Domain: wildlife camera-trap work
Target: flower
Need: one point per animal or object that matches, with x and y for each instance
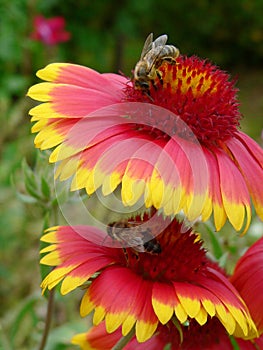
(178, 145)
(211, 336)
(97, 338)
(50, 30)
(137, 290)
(247, 278)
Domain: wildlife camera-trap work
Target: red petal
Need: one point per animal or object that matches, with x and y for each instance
(248, 279)
(234, 190)
(251, 169)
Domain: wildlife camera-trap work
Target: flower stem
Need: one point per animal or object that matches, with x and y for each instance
(48, 319)
(124, 340)
(51, 296)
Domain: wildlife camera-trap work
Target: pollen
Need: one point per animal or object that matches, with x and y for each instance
(180, 78)
(199, 93)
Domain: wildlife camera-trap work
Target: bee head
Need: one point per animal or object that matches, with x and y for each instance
(142, 85)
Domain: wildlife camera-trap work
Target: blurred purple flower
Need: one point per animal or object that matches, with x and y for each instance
(50, 31)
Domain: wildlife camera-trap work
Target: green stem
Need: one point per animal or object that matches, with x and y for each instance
(48, 319)
(50, 304)
(124, 340)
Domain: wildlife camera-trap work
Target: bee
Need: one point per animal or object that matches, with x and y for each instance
(152, 56)
(130, 234)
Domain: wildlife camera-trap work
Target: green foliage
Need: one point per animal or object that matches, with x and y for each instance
(234, 344)
(229, 33)
(60, 337)
(40, 186)
(22, 329)
(214, 240)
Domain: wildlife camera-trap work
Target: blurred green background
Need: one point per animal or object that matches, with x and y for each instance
(107, 36)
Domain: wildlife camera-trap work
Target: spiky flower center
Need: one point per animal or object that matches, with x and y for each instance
(182, 256)
(210, 335)
(199, 93)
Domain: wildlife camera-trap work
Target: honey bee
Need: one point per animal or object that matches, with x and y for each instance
(130, 234)
(152, 56)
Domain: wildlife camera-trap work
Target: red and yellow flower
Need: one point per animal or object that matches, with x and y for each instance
(142, 291)
(247, 279)
(177, 146)
(211, 336)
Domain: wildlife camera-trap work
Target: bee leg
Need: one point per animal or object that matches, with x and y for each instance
(136, 254)
(170, 60)
(147, 93)
(159, 76)
(153, 84)
(133, 254)
(126, 255)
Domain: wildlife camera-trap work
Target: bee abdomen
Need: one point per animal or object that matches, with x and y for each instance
(169, 50)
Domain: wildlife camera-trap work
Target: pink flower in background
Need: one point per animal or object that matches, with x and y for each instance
(50, 31)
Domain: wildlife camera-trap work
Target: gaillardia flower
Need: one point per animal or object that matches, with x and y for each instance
(211, 336)
(141, 291)
(177, 144)
(248, 279)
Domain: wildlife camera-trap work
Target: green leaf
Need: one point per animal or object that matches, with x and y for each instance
(60, 337)
(27, 171)
(27, 308)
(45, 188)
(31, 189)
(25, 198)
(30, 180)
(216, 247)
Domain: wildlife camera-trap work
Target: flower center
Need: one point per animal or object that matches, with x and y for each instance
(181, 258)
(195, 336)
(196, 91)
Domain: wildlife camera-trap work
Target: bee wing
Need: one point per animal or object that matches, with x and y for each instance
(139, 248)
(136, 241)
(147, 45)
(132, 238)
(157, 48)
(160, 41)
